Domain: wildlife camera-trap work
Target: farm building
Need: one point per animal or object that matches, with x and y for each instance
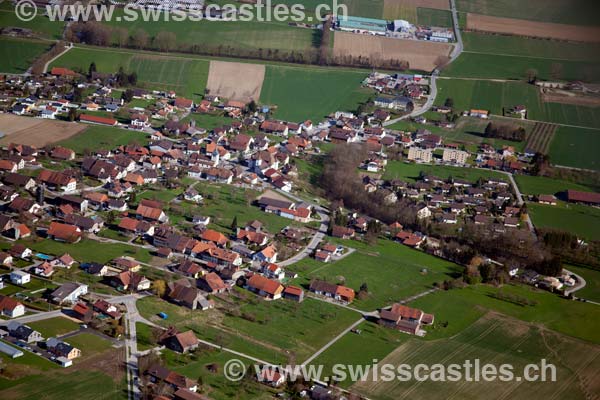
(362, 25)
(10, 351)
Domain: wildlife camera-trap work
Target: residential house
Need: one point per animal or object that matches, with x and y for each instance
(19, 277)
(62, 349)
(337, 292)
(211, 283)
(264, 287)
(10, 307)
(23, 332)
(68, 292)
(405, 319)
(184, 293)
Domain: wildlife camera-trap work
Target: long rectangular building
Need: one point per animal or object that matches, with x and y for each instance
(362, 25)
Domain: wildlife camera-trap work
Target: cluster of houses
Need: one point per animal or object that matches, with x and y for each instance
(53, 348)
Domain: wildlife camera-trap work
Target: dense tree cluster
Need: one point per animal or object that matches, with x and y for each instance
(504, 131)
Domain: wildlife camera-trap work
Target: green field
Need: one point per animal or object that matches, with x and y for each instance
(224, 202)
(270, 330)
(103, 137)
(410, 172)
(575, 147)
(89, 250)
(16, 56)
(187, 76)
(535, 185)
(584, 221)
(434, 17)
(499, 66)
(228, 34)
(392, 272)
(302, 93)
(374, 342)
(591, 290)
(40, 25)
(292, 89)
(196, 365)
(468, 131)
(496, 340)
(576, 12)
(493, 96)
(461, 307)
(550, 50)
(54, 326)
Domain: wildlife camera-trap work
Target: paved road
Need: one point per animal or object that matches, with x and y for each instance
(580, 282)
(313, 244)
(35, 317)
(456, 52)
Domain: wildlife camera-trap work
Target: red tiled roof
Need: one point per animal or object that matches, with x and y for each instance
(97, 120)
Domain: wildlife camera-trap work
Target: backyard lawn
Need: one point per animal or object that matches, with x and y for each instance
(54, 326)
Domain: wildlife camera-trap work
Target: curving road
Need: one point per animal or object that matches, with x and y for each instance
(456, 52)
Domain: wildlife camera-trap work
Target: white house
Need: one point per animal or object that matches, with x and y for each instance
(20, 277)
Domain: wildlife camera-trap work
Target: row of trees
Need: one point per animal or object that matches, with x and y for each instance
(103, 35)
(504, 131)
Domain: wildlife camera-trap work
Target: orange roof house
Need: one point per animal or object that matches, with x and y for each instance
(265, 287)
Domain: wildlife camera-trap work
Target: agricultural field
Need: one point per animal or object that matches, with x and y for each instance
(96, 137)
(302, 93)
(519, 27)
(392, 272)
(456, 309)
(411, 172)
(433, 17)
(550, 50)
(575, 147)
(540, 137)
(575, 12)
(420, 55)
(591, 291)
(187, 76)
(235, 81)
(35, 131)
(16, 56)
(497, 340)
(534, 185)
(583, 221)
(494, 96)
(409, 9)
(242, 35)
(40, 25)
(512, 67)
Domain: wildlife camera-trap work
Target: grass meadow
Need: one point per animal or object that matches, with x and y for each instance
(16, 56)
(575, 12)
(584, 221)
(576, 147)
(494, 96)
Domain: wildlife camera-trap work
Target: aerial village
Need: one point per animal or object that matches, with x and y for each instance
(55, 196)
